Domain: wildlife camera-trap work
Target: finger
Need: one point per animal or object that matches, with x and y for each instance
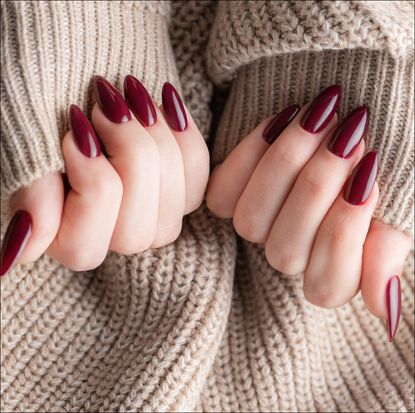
(384, 254)
(229, 179)
(92, 205)
(332, 276)
(134, 154)
(291, 238)
(36, 212)
(194, 152)
(276, 172)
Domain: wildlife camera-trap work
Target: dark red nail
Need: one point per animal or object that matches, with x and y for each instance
(15, 239)
(393, 305)
(279, 123)
(139, 101)
(110, 101)
(84, 133)
(360, 183)
(349, 134)
(173, 108)
(322, 109)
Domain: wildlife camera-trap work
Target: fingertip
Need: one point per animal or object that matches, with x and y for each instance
(384, 254)
(35, 222)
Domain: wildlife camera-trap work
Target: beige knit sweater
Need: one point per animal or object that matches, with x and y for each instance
(202, 324)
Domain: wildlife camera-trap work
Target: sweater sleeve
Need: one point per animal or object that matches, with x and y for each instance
(280, 53)
(50, 51)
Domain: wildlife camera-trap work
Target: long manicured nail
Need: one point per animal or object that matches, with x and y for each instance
(173, 108)
(139, 101)
(322, 109)
(279, 123)
(360, 183)
(84, 133)
(393, 305)
(349, 134)
(110, 101)
(15, 239)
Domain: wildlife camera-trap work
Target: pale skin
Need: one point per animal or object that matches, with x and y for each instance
(287, 196)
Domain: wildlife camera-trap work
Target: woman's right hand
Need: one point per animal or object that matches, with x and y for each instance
(154, 172)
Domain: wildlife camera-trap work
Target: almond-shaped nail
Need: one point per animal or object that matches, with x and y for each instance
(360, 183)
(110, 101)
(393, 305)
(84, 133)
(139, 101)
(279, 123)
(349, 134)
(15, 239)
(173, 108)
(322, 109)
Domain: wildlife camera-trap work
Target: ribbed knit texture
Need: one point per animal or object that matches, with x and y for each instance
(203, 324)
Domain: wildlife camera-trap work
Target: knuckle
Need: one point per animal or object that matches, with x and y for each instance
(107, 185)
(128, 244)
(217, 205)
(338, 234)
(248, 228)
(79, 260)
(167, 235)
(284, 260)
(286, 154)
(312, 181)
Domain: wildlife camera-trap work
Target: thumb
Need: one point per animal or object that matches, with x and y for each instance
(384, 255)
(36, 214)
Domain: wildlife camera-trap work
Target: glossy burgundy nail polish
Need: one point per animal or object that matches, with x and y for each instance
(84, 133)
(110, 101)
(139, 101)
(361, 181)
(322, 109)
(15, 239)
(349, 134)
(279, 123)
(393, 305)
(173, 108)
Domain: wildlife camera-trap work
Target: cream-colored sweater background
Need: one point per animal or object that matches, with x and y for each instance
(204, 323)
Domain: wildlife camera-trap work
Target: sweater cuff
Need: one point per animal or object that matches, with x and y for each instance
(373, 78)
(50, 51)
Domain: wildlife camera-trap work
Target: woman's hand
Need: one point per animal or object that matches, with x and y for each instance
(155, 171)
(300, 184)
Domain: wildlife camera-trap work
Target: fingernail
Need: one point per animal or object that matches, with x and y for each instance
(139, 101)
(322, 109)
(15, 239)
(84, 133)
(361, 181)
(279, 123)
(349, 134)
(393, 305)
(173, 108)
(110, 101)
